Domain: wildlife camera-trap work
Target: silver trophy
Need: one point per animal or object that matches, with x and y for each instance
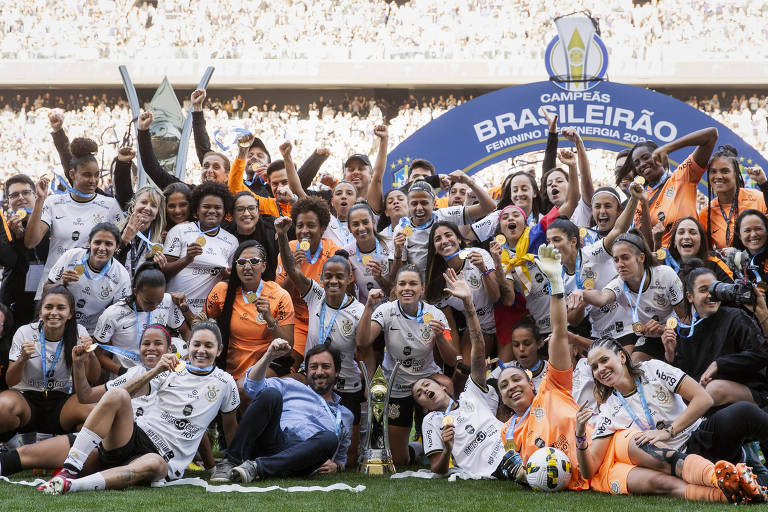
(376, 458)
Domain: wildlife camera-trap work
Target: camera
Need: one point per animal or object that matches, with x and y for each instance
(738, 294)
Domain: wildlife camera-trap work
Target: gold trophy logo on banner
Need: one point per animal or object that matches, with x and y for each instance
(376, 457)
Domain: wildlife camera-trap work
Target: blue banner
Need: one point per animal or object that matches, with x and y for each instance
(507, 123)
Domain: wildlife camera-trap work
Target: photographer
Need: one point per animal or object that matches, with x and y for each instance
(719, 346)
(748, 258)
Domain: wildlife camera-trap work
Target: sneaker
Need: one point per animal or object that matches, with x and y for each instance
(222, 471)
(726, 478)
(752, 491)
(245, 472)
(55, 486)
(61, 472)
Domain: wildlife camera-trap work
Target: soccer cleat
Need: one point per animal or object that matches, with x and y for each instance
(62, 472)
(222, 471)
(726, 478)
(752, 491)
(244, 473)
(56, 485)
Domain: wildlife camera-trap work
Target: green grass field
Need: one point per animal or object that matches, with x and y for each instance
(380, 494)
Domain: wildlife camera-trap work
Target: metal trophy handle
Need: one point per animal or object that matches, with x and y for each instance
(376, 457)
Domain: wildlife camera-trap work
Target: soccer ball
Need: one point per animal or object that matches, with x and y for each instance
(548, 469)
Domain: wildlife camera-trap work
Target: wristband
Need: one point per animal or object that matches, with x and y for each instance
(488, 271)
(581, 442)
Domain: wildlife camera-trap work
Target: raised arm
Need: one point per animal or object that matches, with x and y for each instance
(278, 348)
(485, 204)
(585, 171)
(375, 188)
(559, 349)
(625, 219)
(147, 153)
(290, 170)
(36, 228)
(572, 198)
(60, 141)
(200, 134)
(550, 153)
(705, 140)
(122, 176)
(86, 394)
(311, 165)
(302, 282)
(457, 287)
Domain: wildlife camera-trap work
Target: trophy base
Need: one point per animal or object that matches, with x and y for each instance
(376, 467)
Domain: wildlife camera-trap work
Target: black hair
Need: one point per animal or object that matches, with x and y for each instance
(322, 348)
(366, 207)
(737, 243)
(206, 326)
(506, 194)
(384, 220)
(410, 267)
(147, 274)
(629, 165)
(570, 229)
(621, 172)
(227, 163)
(312, 204)
(277, 165)
(233, 284)
(177, 188)
(546, 204)
(210, 188)
(243, 193)
(701, 254)
(729, 153)
(158, 327)
(689, 271)
(424, 164)
(105, 226)
(602, 392)
(19, 178)
(527, 322)
(83, 151)
(421, 185)
(436, 265)
(634, 239)
(342, 257)
(71, 337)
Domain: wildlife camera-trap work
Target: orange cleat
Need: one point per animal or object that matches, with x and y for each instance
(752, 491)
(726, 478)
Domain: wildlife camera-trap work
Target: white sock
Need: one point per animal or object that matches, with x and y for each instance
(94, 482)
(84, 443)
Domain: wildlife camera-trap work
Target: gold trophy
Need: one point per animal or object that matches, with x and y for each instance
(376, 457)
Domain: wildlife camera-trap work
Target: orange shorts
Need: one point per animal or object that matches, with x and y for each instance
(611, 478)
(300, 330)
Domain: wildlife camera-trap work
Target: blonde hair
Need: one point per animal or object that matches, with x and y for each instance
(158, 200)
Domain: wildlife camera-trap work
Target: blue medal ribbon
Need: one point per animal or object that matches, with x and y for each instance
(128, 354)
(407, 221)
(419, 314)
(197, 370)
(258, 292)
(576, 271)
(102, 273)
(140, 331)
(69, 190)
(635, 419)
(44, 361)
(337, 421)
(378, 251)
(514, 420)
(325, 334)
(146, 240)
(207, 231)
(345, 234)
(695, 320)
(451, 256)
(313, 258)
(636, 305)
(671, 262)
(238, 131)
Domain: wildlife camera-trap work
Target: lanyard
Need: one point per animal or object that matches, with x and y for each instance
(632, 414)
(426, 225)
(313, 258)
(577, 271)
(197, 370)
(451, 256)
(694, 322)
(378, 251)
(450, 404)
(279, 210)
(325, 334)
(669, 260)
(419, 314)
(514, 420)
(754, 268)
(728, 219)
(139, 331)
(70, 190)
(258, 292)
(44, 362)
(146, 239)
(102, 273)
(636, 305)
(337, 422)
(208, 231)
(344, 232)
(128, 354)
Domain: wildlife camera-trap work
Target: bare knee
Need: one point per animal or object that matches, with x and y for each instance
(663, 484)
(116, 397)
(148, 468)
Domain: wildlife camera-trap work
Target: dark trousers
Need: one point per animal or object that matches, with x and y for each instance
(277, 453)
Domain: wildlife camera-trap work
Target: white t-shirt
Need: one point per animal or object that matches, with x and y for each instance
(338, 231)
(71, 222)
(139, 403)
(92, 294)
(197, 279)
(480, 299)
(477, 446)
(185, 404)
(612, 320)
(408, 341)
(32, 377)
(364, 281)
(415, 248)
(537, 298)
(342, 334)
(117, 326)
(659, 383)
(657, 300)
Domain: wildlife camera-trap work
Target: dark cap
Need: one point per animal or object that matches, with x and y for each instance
(258, 143)
(359, 156)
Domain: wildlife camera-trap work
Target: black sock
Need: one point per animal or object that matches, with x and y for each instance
(10, 463)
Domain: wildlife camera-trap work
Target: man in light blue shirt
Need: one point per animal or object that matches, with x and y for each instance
(290, 429)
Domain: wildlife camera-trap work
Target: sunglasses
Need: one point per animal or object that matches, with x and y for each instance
(252, 261)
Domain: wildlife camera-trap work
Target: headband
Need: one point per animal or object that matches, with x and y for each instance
(158, 326)
(606, 190)
(633, 239)
(423, 186)
(522, 212)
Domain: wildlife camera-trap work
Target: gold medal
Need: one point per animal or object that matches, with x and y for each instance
(582, 232)
(500, 239)
(255, 167)
(661, 254)
(366, 259)
(637, 327)
(407, 231)
(155, 249)
(448, 420)
(509, 444)
(92, 347)
(640, 180)
(244, 145)
(21, 213)
(180, 366)
(464, 254)
(589, 283)
(252, 297)
(304, 245)
(79, 270)
(200, 241)
(671, 323)
(426, 318)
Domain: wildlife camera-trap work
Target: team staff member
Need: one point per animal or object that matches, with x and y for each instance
(671, 195)
(248, 224)
(70, 216)
(141, 233)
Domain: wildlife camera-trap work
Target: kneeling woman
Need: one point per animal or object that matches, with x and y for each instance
(40, 396)
(645, 405)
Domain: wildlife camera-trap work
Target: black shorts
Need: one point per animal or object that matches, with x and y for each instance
(352, 401)
(138, 445)
(404, 411)
(46, 414)
(651, 346)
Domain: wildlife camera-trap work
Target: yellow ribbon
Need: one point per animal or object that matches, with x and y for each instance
(521, 256)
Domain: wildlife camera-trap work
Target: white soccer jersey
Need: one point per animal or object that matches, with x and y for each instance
(139, 403)
(198, 278)
(70, 223)
(338, 231)
(93, 294)
(582, 214)
(480, 299)
(477, 446)
(185, 404)
(537, 297)
(32, 378)
(341, 335)
(659, 383)
(364, 281)
(118, 327)
(583, 384)
(415, 248)
(408, 341)
(486, 227)
(657, 300)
